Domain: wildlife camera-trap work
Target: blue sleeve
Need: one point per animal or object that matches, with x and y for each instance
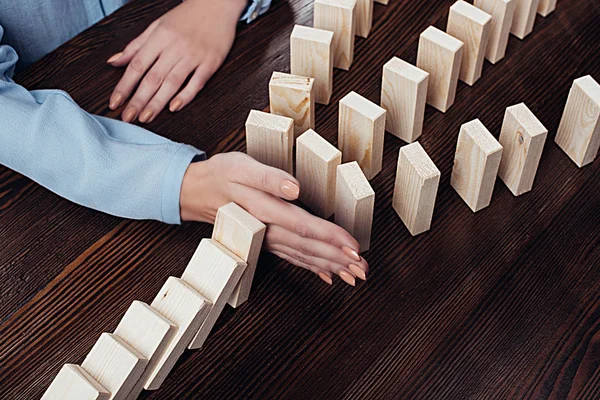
(255, 9)
(101, 163)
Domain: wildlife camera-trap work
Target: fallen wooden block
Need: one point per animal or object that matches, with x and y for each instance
(364, 17)
(361, 133)
(115, 365)
(471, 26)
(522, 139)
(403, 96)
(269, 139)
(354, 203)
(502, 12)
(415, 190)
(579, 130)
(147, 331)
(316, 166)
(546, 7)
(525, 11)
(293, 96)
(182, 305)
(384, 2)
(441, 55)
(337, 16)
(311, 55)
(476, 164)
(74, 383)
(213, 271)
(242, 234)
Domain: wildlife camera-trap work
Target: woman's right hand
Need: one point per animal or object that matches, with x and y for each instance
(292, 233)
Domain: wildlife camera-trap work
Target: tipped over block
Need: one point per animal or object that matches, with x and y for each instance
(364, 17)
(524, 18)
(293, 96)
(522, 139)
(546, 7)
(502, 12)
(269, 139)
(338, 16)
(384, 2)
(415, 190)
(74, 383)
(476, 165)
(403, 96)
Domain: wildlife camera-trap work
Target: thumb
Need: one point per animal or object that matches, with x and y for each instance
(267, 179)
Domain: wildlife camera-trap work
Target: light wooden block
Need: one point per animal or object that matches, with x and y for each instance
(471, 26)
(74, 383)
(242, 234)
(476, 164)
(546, 7)
(441, 55)
(524, 18)
(213, 271)
(502, 12)
(384, 2)
(579, 130)
(415, 190)
(147, 331)
(115, 365)
(403, 96)
(337, 16)
(364, 17)
(186, 308)
(361, 133)
(354, 203)
(293, 96)
(522, 138)
(269, 139)
(311, 55)
(316, 166)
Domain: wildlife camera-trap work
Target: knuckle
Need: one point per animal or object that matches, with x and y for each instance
(175, 78)
(301, 229)
(303, 258)
(153, 78)
(137, 65)
(307, 249)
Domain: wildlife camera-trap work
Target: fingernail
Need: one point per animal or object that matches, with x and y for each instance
(129, 114)
(115, 57)
(175, 105)
(326, 278)
(351, 253)
(356, 270)
(146, 115)
(348, 278)
(115, 101)
(290, 189)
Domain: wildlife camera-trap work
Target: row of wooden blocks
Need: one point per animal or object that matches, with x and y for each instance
(149, 339)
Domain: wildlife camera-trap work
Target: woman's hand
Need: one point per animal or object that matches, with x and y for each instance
(292, 233)
(192, 39)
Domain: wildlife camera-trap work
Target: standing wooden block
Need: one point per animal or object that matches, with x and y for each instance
(213, 271)
(337, 16)
(403, 96)
(502, 12)
(417, 180)
(293, 96)
(546, 7)
(525, 11)
(361, 133)
(364, 17)
(242, 234)
(476, 164)
(579, 130)
(74, 383)
(269, 139)
(144, 329)
(316, 166)
(115, 365)
(354, 203)
(311, 55)
(187, 309)
(441, 55)
(471, 26)
(522, 138)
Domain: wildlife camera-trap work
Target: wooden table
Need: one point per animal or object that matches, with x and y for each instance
(504, 303)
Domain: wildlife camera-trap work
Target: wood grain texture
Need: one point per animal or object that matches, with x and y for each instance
(502, 12)
(338, 16)
(546, 7)
(524, 18)
(270, 139)
(364, 17)
(293, 96)
(74, 383)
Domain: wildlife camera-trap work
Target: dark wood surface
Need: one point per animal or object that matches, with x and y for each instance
(502, 304)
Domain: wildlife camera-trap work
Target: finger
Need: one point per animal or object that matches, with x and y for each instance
(196, 83)
(324, 275)
(123, 57)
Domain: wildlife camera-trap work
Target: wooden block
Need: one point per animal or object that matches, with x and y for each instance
(546, 7)
(441, 55)
(213, 271)
(361, 133)
(476, 164)
(384, 2)
(522, 138)
(337, 16)
(269, 139)
(354, 203)
(524, 18)
(415, 190)
(186, 308)
(579, 130)
(311, 55)
(316, 166)
(502, 12)
(74, 383)
(364, 17)
(242, 234)
(115, 365)
(147, 331)
(471, 26)
(293, 96)
(403, 96)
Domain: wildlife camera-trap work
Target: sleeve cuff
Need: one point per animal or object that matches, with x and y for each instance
(255, 9)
